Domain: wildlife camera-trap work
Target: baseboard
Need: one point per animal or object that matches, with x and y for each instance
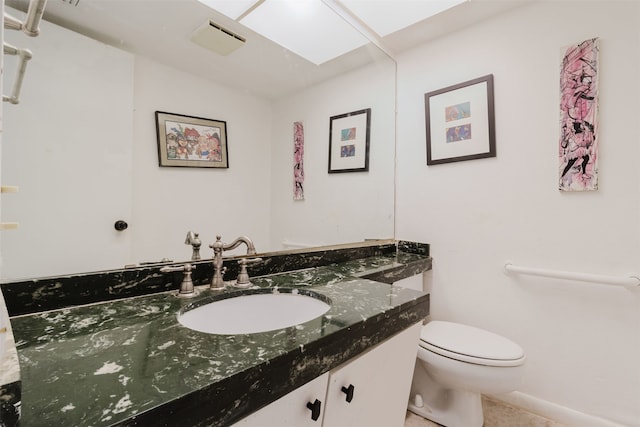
(553, 411)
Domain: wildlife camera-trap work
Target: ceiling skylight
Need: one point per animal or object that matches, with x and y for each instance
(388, 16)
(314, 31)
(306, 27)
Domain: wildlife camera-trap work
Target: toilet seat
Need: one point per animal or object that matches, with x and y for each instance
(469, 344)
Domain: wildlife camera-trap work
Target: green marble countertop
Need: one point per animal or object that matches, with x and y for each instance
(109, 363)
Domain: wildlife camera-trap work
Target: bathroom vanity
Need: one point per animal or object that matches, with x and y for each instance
(126, 360)
(368, 390)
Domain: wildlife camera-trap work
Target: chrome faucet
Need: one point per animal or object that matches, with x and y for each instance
(218, 247)
(193, 240)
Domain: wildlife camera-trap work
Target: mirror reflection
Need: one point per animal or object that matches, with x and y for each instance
(82, 145)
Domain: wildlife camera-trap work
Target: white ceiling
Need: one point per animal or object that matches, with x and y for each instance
(160, 30)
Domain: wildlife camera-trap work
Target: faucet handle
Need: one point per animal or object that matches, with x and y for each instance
(243, 277)
(186, 287)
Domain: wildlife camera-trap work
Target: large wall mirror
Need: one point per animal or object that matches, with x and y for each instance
(82, 147)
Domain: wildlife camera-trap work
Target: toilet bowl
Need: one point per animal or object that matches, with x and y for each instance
(456, 364)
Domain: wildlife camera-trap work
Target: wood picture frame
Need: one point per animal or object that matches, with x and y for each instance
(187, 141)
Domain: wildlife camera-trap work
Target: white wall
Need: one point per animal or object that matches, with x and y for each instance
(170, 201)
(74, 118)
(582, 340)
(82, 148)
(81, 93)
(338, 207)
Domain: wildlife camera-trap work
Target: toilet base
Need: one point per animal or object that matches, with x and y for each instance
(462, 409)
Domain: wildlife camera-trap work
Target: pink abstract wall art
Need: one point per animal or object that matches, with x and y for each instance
(579, 117)
(298, 161)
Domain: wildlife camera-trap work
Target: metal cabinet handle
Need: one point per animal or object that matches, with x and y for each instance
(349, 392)
(315, 409)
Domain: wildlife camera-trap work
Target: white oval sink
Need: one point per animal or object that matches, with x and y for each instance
(253, 313)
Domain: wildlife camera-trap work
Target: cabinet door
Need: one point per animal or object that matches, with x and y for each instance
(291, 410)
(377, 384)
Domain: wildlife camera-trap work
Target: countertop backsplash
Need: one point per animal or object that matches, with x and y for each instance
(51, 293)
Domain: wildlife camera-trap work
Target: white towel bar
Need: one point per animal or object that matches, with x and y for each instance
(631, 281)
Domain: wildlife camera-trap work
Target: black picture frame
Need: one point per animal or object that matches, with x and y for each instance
(460, 122)
(349, 139)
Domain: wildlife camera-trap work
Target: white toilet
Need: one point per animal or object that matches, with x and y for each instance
(456, 364)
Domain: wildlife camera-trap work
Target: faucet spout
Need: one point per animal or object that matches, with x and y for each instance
(218, 247)
(251, 249)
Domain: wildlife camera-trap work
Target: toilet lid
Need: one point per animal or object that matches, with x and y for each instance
(469, 344)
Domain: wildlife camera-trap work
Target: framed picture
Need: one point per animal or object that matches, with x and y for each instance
(460, 122)
(186, 141)
(349, 142)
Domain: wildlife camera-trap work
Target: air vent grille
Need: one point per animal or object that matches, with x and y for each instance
(224, 30)
(217, 38)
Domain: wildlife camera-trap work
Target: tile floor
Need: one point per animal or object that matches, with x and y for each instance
(496, 414)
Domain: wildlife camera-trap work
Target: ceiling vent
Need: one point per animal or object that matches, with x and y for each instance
(216, 38)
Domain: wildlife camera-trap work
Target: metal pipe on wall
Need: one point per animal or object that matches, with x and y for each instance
(31, 27)
(34, 15)
(24, 55)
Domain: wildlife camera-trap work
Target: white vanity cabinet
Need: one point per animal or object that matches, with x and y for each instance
(291, 410)
(370, 390)
(378, 383)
